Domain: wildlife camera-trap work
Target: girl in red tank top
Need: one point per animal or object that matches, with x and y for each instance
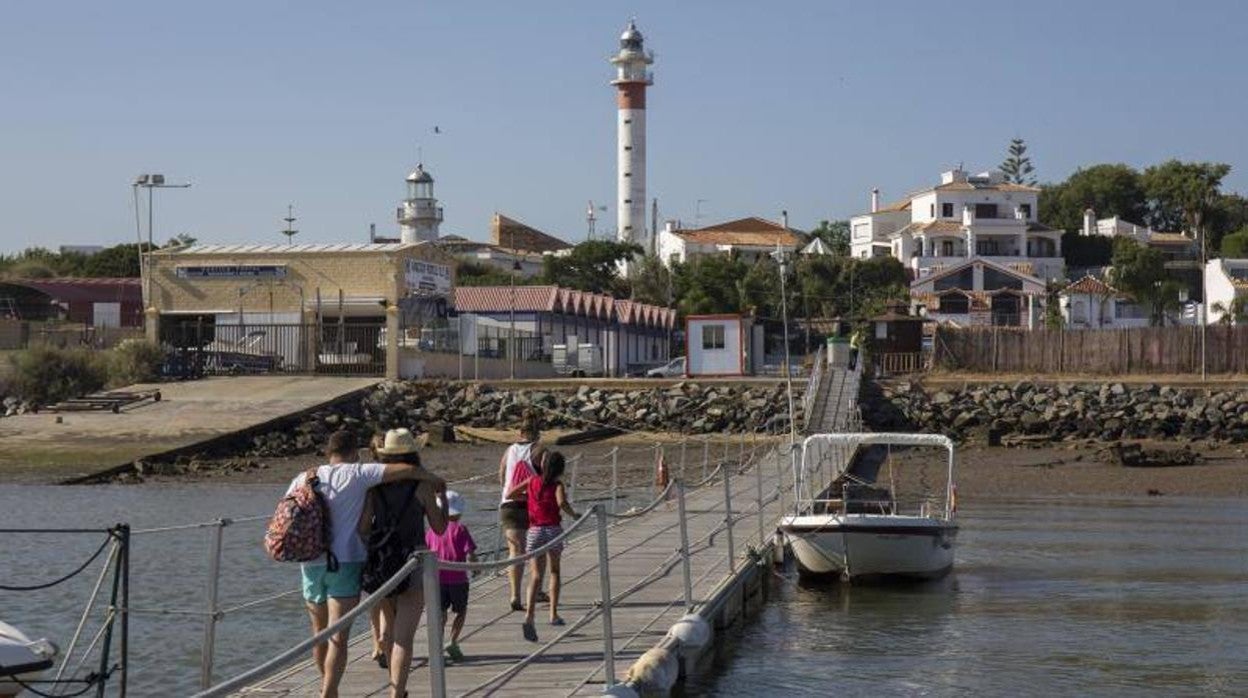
(546, 502)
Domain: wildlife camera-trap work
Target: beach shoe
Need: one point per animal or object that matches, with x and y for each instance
(530, 632)
(453, 651)
(543, 597)
(557, 621)
(517, 606)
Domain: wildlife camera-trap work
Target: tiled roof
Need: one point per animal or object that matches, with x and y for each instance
(512, 234)
(751, 231)
(1026, 276)
(1157, 238)
(74, 289)
(968, 186)
(553, 299)
(1091, 285)
(903, 205)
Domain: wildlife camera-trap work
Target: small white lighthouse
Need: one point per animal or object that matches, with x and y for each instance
(630, 82)
(419, 215)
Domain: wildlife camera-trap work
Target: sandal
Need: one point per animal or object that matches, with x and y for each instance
(517, 606)
(543, 597)
(380, 658)
(557, 621)
(455, 654)
(530, 632)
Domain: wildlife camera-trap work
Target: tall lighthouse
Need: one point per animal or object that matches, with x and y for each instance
(630, 82)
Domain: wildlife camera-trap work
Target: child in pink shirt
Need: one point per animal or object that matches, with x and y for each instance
(454, 544)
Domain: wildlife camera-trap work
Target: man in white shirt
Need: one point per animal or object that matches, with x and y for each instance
(344, 484)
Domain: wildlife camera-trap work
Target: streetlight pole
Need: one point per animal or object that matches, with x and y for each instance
(150, 182)
(511, 338)
(782, 259)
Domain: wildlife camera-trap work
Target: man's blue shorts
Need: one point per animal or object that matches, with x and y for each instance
(320, 584)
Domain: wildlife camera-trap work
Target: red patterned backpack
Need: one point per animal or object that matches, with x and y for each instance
(299, 529)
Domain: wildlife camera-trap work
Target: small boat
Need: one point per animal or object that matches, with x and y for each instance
(22, 659)
(845, 523)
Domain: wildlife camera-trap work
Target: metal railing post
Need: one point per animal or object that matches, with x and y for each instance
(706, 457)
(576, 462)
(684, 444)
(758, 485)
(732, 555)
(433, 623)
(615, 478)
(741, 451)
(208, 651)
(779, 480)
(684, 545)
(604, 584)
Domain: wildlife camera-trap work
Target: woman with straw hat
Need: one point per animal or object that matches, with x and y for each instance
(395, 518)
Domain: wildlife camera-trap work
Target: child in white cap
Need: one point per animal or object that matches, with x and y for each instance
(454, 544)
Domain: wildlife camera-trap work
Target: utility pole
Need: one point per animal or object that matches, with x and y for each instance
(290, 219)
(782, 258)
(150, 182)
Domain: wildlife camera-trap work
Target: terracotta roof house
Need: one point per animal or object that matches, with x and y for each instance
(750, 238)
(1226, 287)
(1090, 303)
(980, 292)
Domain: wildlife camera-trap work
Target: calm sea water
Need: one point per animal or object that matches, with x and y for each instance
(1123, 597)
(1050, 596)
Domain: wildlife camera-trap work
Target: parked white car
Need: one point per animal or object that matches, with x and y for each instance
(671, 369)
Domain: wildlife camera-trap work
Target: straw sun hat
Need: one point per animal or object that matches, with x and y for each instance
(399, 442)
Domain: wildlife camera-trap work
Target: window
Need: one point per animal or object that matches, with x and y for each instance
(628, 147)
(946, 210)
(946, 248)
(1026, 209)
(985, 210)
(712, 336)
(964, 280)
(955, 303)
(995, 280)
(628, 201)
(628, 174)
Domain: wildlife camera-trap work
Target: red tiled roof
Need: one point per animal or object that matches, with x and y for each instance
(1091, 285)
(752, 231)
(553, 299)
(73, 289)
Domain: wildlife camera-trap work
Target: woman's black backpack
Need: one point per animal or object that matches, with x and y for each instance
(387, 550)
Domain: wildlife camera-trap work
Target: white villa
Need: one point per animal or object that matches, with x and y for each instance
(1177, 247)
(750, 238)
(1090, 303)
(1226, 280)
(964, 217)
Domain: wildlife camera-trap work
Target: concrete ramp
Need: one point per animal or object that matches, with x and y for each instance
(39, 449)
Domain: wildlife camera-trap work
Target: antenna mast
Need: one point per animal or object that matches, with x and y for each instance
(290, 231)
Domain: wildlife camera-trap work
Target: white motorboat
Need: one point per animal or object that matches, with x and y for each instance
(22, 659)
(845, 524)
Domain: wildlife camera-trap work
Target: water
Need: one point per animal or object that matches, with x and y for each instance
(1049, 597)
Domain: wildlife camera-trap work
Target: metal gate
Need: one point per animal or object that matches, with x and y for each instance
(199, 346)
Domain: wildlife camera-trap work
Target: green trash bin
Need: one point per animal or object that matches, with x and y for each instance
(838, 352)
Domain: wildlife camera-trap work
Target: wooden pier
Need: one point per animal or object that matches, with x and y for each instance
(647, 588)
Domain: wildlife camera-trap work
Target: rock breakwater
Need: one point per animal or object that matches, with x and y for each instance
(1062, 412)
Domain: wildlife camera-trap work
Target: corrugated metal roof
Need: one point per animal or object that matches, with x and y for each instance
(553, 299)
(287, 249)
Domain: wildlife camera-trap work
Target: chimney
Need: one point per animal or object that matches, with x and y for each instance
(968, 216)
(1089, 222)
(784, 219)
(372, 232)
(875, 200)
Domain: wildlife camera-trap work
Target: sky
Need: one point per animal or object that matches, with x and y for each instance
(756, 107)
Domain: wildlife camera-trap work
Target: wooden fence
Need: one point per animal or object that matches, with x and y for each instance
(1137, 350)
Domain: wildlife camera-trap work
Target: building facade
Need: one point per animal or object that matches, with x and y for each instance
(419, 214)
(749, 238)
(980, 292)
(964, 217)
(1226, 288)
(1092, 304)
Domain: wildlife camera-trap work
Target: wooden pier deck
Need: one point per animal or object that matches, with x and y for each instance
(646, 585)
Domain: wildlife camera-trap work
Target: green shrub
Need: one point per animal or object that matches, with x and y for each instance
(44, 375)
(135, 361)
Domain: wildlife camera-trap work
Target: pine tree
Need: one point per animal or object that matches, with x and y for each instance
(1017, 166)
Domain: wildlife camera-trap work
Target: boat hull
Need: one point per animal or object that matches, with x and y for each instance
(865, 547)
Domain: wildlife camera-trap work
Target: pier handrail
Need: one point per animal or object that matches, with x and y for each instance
(726, 468)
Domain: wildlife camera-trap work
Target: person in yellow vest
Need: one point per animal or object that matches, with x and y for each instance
(855, 347)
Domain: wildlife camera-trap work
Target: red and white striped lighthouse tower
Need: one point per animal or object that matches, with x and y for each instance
(630, 82)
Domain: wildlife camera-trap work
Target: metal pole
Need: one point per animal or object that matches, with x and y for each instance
(615, 477)
(210, 623)
(459, 321)
(125, 609)
(433, 621)
(732, 555)
(604, 584)
(684, 545)
(779, 481)
(150, 193)
(758, 486)
(706, 457)
(684, 446)
(112, 607)
(576, 462)
(511, 339)
(788, 369)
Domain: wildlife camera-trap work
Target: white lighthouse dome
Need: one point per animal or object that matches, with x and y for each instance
(419, 175)
(631, 38)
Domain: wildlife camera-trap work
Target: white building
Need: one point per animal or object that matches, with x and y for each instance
(1226, 290)
(964, 217)
(1175, 246)
(419, 215)
(630, 82)
(718, 345)
(1092, 304)
(750, 238)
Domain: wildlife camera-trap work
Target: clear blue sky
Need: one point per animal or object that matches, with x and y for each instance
(756, 107)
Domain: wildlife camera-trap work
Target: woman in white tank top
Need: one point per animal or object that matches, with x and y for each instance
(519, 462)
